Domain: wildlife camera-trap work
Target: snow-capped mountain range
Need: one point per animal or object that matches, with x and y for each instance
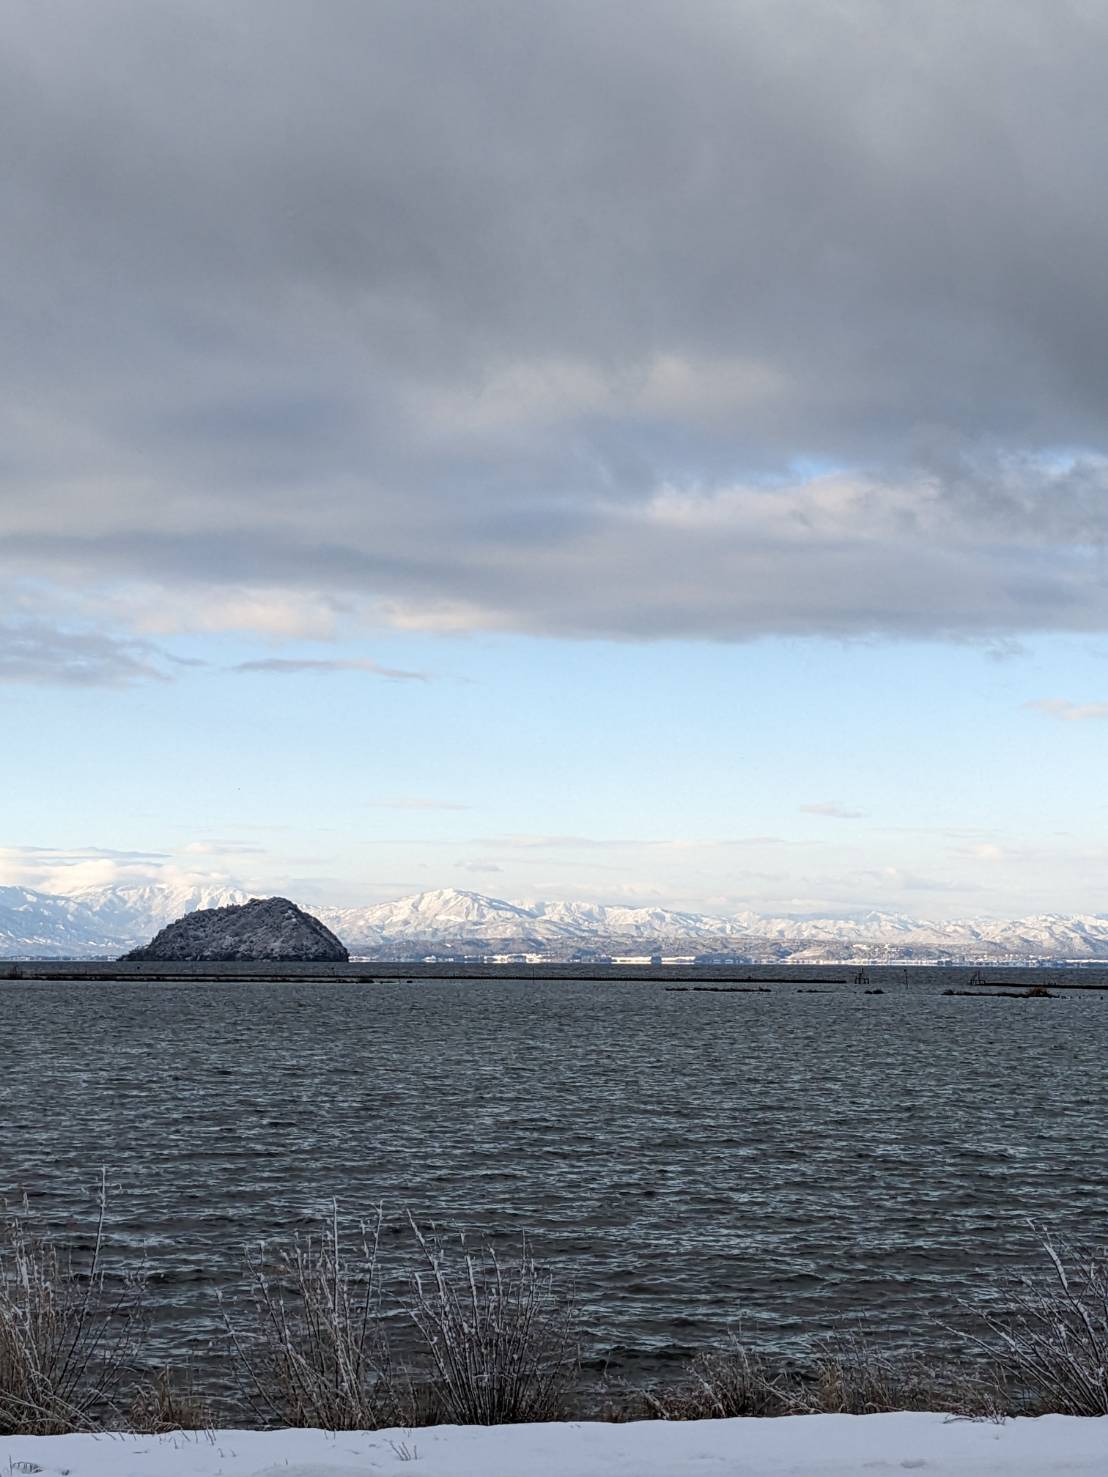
(106, 921)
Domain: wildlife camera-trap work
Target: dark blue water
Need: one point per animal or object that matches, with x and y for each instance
(687, 1160)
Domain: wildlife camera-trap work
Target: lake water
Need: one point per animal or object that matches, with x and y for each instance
(686, 1160)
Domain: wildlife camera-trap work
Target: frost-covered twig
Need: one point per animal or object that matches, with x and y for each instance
(314, 1352)
(502, 1346)
(67, 1341)
(1052, 1337)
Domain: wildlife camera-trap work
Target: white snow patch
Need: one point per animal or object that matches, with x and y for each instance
(793, 1446)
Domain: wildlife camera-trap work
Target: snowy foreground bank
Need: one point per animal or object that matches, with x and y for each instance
(800, 1446)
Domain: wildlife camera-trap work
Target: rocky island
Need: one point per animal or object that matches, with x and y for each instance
(264, 929)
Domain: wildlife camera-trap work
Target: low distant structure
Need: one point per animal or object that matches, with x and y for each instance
(264, 929)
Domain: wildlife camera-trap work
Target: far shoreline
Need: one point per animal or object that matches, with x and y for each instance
(846, 974)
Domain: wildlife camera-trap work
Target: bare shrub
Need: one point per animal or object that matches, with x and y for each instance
(68, 1338)
(316, 1354)
(168, 1401)
(1052, 1337)
(501, 1345)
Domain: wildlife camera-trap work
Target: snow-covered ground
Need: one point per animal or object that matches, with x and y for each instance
(799, 1446)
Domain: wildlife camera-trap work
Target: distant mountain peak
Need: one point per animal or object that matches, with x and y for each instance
(108, 921)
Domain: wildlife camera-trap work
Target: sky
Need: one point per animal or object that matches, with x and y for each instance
(649, 454)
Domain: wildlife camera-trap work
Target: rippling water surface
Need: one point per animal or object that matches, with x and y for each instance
(686, 1159)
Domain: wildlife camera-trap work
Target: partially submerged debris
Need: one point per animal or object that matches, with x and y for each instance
(1036, 992)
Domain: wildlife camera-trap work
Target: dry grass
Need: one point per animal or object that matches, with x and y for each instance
(67, 1336)
(850, 1375)
(168, 1401)
(853, 1375)
(720, 1384)
(502, 1346)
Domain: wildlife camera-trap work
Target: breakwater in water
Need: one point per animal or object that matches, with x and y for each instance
(1083, 977)
(366, 972)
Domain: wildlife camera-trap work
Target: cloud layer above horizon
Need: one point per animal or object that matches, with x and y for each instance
(709, 321)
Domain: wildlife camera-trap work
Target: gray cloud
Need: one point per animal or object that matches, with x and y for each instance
(540, 317)
(36, 651)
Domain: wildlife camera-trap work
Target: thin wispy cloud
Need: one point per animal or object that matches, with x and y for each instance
(833, 810)
(907, 881)
(294, 667)
(416, 803)
(1067, 711)
(525, 842)
(65, 856)
(222, 848)
(987, 851)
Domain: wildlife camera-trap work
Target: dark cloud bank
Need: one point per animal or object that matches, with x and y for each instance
(700, 319)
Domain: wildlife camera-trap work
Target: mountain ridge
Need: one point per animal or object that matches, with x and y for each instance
(97, 922)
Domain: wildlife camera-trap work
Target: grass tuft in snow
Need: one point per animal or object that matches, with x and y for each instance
(167, 1401)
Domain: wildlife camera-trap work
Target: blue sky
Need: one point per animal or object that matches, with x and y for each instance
(505, 446)
(782, 776)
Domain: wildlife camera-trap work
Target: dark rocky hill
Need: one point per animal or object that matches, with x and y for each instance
(264, 928)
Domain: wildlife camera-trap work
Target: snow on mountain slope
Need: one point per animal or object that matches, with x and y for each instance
(644, 923)
(97, 920)
(111, 920)
(451, 916)
(45, 925)
(139, 910)
(457, 919)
